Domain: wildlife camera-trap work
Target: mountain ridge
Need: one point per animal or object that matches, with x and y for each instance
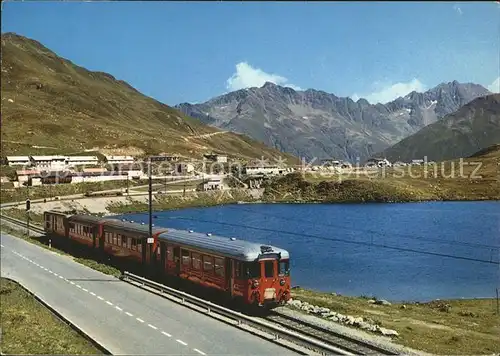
(314, 123)
(468, 131)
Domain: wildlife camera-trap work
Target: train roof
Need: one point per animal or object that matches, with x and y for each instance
(228, 247)
(85, 218)
(142, 229)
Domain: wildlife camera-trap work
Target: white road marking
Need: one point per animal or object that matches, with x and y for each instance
(61, 277)
(128, 314)
(72, 282)
(118, 308)
(200, 352)
(92, 293)
(152, 327)
(78, 286)
(2, 246)
(108, 302)
(166, 334)
(139, 320)
(55, 274)
(181, 342)
(85, 290)
(50, 271)
(101, 298)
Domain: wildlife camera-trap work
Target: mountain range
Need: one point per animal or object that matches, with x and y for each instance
(474, 127)
(316, 124)
(52, 106)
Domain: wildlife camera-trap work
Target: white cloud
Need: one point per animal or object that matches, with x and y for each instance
(392, 91)
(247, 76)
(495, 86)
(458, 9)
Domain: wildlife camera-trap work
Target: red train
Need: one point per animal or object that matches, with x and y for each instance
(257, 274)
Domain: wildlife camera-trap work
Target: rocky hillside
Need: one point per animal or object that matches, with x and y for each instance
(50, 105)
(473, 127)
(314, 123)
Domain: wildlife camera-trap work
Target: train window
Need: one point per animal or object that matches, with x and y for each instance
(208, 263)
(252, 270)
(170, 253)
(269, 268)
(139, 245)
(72, 226)
(134, 244)
(185, 258)
(124, 241)
(196, 258)
(237, 269)
(219, 267)
(115, 239)
(85, 229)
(284, 268)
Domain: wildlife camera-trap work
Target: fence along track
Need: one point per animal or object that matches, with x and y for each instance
(280, 326)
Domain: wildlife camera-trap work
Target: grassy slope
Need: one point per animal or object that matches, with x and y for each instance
(396, 184)
(29, 328)
(64, 107)
(473, 127)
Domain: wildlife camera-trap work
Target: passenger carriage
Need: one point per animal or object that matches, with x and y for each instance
(129, 240)
(55, 224)
(258, 274)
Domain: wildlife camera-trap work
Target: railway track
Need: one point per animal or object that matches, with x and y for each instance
(307, 335)
(347, 343)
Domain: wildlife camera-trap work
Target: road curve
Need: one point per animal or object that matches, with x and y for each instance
(122, 318)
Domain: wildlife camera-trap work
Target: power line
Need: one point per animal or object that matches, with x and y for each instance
(406, 236)
(345, 241)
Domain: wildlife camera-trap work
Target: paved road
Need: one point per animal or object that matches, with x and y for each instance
(123, 318)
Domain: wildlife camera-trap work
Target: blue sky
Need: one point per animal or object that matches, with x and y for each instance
(190, 52)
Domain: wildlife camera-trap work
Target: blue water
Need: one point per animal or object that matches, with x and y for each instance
(340, 248)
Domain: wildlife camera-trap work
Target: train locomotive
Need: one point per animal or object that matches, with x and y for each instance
(253, 273)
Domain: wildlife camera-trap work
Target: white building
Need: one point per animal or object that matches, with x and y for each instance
(120, 159)
(18, 160)
(216, 158)
(49, 163)
(264, 170)
(213, 184)
(184, 168)
(82, 161)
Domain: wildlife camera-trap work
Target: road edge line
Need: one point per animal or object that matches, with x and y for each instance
(61, 317)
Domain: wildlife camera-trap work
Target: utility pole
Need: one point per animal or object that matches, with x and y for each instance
(150, 200)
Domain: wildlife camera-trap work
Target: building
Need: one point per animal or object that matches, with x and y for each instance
(119, 159)
(184, 168)
(82, 161)
(49, 163)
(417, 162)
(377, 162)
(216, 158)
(18, 160)
(168, 158)
(253, 170)
(213, 184)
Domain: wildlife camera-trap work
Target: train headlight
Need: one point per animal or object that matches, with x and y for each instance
(255, 284)
(282, 282)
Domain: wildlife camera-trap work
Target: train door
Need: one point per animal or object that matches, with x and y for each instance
(163, 252)
(177, 260)
(269, 276)
(230, 275)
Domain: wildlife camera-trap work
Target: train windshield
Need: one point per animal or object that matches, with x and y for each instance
(252, 269)
(284, 268)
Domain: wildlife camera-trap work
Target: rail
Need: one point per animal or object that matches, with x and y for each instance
(33, 227)
(208, 307)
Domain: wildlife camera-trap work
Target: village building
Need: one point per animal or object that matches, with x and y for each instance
(216, 158)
